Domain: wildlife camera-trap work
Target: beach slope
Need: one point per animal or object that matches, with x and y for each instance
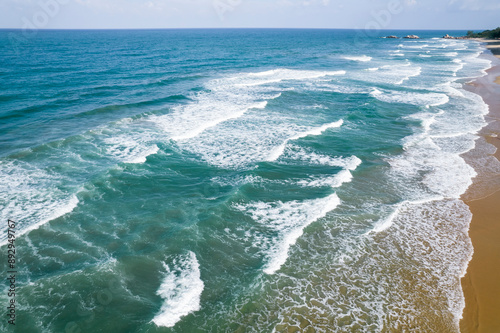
(481, 284)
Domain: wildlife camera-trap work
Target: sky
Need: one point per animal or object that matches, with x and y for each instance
(337, 14)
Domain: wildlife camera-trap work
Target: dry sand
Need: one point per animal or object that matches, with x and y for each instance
(481, 285)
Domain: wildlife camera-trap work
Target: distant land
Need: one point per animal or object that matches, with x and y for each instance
(491, 34)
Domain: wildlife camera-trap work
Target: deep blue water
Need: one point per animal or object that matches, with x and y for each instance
(237, 180)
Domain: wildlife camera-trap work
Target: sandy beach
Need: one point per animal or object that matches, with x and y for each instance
(481, 284)
(494, 47)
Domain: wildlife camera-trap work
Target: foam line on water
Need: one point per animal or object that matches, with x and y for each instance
(363, 58)
(31, 196)
(126, 140)
(387, 222)
(363, 267)
(278, 151)
(342, 89)
(349, 163)
(129, 149)
(212, 123)
(442, 172)
(218, 126)
(279, 75)
(396, 72)
(432, 156)
(412, 98)
(344, 176)
(290, 74)
(62, 208)
(459, 65)
(141, 158)
(416, 71)
(229, 98)
(418, 47)
(289, 219)
(243, 143)
(426, 119)
(181, 290)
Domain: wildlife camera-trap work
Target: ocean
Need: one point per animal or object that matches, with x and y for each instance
(236, 180)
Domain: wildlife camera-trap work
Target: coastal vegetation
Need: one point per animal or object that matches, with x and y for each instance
(491, 34)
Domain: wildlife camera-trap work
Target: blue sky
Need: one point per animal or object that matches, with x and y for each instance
(351, 14)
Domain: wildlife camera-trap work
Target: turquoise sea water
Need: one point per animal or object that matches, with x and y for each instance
(237, 180)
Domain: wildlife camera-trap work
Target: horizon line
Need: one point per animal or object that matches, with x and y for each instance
(243, 28)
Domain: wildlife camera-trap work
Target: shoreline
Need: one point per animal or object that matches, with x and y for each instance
(481, 284)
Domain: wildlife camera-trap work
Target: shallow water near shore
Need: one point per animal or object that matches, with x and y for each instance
(238, 180)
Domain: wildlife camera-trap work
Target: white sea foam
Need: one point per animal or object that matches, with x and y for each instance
(395, 73)
(354, 283)
(363, 58)
(279, 75)
(443, 173)
(420, 99)
(396, 53)
(432, 155)
(466, 116)
(230, 98)
(451, 88)
(126, 140)
(408, 46)
(226, 126)
(288, 74)
(129, 149)
(427, 119)
(181, 290)
(455, 144)
(278, 151)
(210, 110)
(342, 89)
(32, 196)
(459, 65)
(475, 66)
(141, 158)
(64, 207)
(288, 219)
(242, 143)
(349, 163)
(344, 176)
(387, 222)
(444, 250)
(212, 123)
(415, 71)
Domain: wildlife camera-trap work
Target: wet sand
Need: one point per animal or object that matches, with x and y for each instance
(481, 284)
(493, 45)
